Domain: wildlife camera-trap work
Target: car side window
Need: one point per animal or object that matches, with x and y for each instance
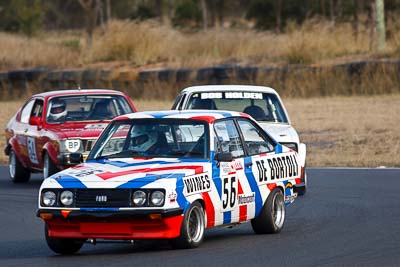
(37, 109)
(26, 111)
(228, 138)
(254, 140)
(178, 102)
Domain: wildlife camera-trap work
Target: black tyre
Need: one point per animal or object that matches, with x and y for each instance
(192, 229)
(65, 246)
(49, 168)
(272, 216)
(18, 173)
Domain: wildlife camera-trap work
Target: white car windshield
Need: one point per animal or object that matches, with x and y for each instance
(261, 106)
(86, 108)
(171, 138)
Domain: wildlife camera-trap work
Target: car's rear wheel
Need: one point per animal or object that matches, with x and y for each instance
(192, 229)
(49, 167)
(65, 246)
(272, 216)
(18, 173)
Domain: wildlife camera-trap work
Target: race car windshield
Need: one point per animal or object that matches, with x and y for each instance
(172, 138)
(261, 106)
(86, 108)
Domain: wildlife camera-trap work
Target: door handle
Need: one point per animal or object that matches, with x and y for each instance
(26, 130)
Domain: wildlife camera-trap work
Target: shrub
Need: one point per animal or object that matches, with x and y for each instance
(185, 12)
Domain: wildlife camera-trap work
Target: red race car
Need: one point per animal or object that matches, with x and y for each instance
(51, 126)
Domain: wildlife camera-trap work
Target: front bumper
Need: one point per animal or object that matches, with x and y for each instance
(142, 224)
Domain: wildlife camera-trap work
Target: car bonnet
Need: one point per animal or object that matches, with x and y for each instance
(281, 132)
(78, 130)
(129, 173)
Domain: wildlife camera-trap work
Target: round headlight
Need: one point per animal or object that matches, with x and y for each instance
(157, 198)
(49, 198)
(139, 198)
(67, 198)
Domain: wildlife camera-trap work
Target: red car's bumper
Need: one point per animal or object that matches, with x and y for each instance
(112, 225)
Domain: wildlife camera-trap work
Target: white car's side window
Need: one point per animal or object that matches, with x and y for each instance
(255, 142)
(228, 138)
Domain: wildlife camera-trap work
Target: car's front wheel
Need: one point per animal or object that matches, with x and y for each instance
(49, 167)
(65, 246)
(192, 229)
(18, 173)
(272, 216)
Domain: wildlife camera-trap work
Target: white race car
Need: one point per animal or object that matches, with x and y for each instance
(260, 102)
(171, 175)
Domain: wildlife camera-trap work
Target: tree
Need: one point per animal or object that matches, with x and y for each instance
(25, 16)
(204, 13)
(380, 24)
(92, 9)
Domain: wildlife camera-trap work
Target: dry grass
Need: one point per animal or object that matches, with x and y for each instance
(338, 131)
(138, 44)
(22, 52)
(349, 131)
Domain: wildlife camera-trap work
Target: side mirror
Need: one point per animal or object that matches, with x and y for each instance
(35, 121)
(76, 158)
(224, 156)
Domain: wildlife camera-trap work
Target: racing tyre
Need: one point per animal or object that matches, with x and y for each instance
(48, 166)
(192, 229)
(272, 216)
(65, 246)
(18, 173)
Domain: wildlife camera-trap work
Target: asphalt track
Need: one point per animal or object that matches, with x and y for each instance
(349, 217)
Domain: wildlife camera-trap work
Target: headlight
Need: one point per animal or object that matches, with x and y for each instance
(67, 198)
(139, 198)
(49, 198)
(71, 145)
(157, 198)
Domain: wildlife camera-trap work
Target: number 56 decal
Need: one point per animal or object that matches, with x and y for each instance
(229, 192)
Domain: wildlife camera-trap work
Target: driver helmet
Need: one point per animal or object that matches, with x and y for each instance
(57, 110)
(143, 138)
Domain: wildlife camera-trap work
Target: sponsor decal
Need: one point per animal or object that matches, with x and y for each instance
(289, 185)
(236, 165)
(82, 173)
(248, 95)
(97, 126)
(231, 95)
(225, 167)
(245, 199)
(290, 198)
(277, 168)
(172, 196)
(72, 145)
(211, 95)
(197, 183)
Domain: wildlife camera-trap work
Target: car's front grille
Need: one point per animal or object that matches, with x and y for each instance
(88, 144)
(103, 198)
